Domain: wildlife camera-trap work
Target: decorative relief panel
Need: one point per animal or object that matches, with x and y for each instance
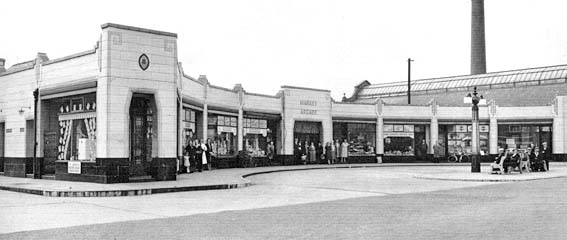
(115, 38)
(168, 45)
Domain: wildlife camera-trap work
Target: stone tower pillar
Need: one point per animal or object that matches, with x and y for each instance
(478, 45)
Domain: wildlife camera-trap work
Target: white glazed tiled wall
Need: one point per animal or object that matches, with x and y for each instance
(192, 89)
(354, 110)
(126, 77)
(62, 73)
(222, 98)
(261, 103)
(15, 95)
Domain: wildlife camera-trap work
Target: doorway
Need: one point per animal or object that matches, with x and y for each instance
(141, 131)
(307, 131)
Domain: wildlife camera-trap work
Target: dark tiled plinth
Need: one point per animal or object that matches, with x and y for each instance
(16, 167)
(103, 170)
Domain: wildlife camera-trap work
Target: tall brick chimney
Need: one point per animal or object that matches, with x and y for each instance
(478, 45)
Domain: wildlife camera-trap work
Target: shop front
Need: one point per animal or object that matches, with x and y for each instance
(222, 133)
(524, 136)
(405, 142)
(189, 126)
(260, 139)
(361, 137)
(69, 132)
(455, 140)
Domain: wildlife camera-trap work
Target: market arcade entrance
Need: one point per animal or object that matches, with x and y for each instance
(309, 132)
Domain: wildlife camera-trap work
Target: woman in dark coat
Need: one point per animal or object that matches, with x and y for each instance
(190, 153)
(199, 156)
(208, 154)
(319, 152)
(329, 153)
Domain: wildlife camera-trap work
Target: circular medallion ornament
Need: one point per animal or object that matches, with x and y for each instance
(144, 61)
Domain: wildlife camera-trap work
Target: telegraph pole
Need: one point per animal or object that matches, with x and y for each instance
(409, 80)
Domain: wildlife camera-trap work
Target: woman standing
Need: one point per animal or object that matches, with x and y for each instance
(199, 156)
(328, 152)
(187, 157)
(270, 152)
(312, 153)
(344, 151)
(338, 150)
(208, 153)
(333, 152)
(204, 159)
(319, 150)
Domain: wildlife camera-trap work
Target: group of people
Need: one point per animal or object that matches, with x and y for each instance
(311, 152)
(530, 159)
(196, 155)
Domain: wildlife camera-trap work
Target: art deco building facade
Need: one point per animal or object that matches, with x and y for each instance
(126, 109)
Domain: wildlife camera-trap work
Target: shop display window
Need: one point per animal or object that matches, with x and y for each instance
(523, 136)
(399, 140)
(77, 128)
(222, 133)
(360, 136)
(189, 126)
(459, 139)
(257, 135)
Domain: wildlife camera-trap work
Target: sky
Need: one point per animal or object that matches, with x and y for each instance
(325, 44)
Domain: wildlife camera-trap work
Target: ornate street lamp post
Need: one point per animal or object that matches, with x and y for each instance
(36, 164)
(475, 138)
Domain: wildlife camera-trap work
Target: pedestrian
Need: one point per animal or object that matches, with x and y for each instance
(319, 150)
(209, 152)
(270, 152)
(305, 151)
(297, 150)
(344, 151)
(437, 152)
(333, 152)
(204, 159)
(192, 157)
(538, 164)
(312, 153)
(187, 156)
(337, 150)
(422, 151)
(328, 152)
(199, 155)
(546, 155)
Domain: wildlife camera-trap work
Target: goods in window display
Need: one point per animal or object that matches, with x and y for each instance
(76, 128)
(360, 136)
(400, 141)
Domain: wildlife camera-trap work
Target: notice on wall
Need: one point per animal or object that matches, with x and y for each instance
(74, 167)
(461, 128)
(510, 141)
(398, 134)
(225, 129)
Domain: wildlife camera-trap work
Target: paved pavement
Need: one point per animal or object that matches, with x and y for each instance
(235, 178)
(356, 203)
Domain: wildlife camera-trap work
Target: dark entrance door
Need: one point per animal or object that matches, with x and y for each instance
(140, 136)
(50, 152)
(307, 131)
